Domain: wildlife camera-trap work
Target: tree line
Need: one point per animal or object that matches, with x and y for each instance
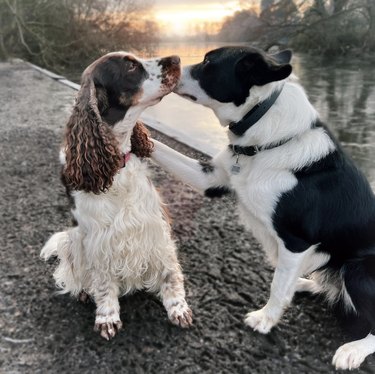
(325, 26)
(66, 35)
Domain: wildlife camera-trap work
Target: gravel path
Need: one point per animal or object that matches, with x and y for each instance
(226, 275)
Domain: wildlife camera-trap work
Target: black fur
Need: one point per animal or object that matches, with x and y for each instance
(217, 191)
(207, 167)
(227, 74)
(334, 205)
(331, 206)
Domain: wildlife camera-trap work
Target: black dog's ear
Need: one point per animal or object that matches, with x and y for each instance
(282, 57)
(259, 69)
(279, 72)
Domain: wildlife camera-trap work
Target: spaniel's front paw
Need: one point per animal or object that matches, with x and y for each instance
(180, 314)
(108, 325)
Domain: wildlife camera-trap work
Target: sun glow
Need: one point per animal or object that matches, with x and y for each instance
(182, 20)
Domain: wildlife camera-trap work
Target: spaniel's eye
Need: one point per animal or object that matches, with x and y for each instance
(206, 61)
(132, 66)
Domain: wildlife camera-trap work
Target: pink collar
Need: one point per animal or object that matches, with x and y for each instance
(125, 159)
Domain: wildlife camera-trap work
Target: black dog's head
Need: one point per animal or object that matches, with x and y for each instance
(227, 74)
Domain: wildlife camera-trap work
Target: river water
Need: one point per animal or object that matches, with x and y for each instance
(342, 90)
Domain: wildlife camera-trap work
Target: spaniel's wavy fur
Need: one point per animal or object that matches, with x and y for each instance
(122, 241)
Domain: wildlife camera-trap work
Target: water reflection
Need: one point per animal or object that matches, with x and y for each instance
(342, 90)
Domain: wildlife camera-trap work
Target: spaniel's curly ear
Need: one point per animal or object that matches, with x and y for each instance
(142, 146)
(92, 155)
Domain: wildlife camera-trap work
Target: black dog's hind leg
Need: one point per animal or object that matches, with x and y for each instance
(359, 286)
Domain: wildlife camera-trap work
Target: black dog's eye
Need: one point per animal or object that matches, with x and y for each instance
(205, 61)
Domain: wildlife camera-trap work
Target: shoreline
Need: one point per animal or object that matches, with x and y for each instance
(226, 273)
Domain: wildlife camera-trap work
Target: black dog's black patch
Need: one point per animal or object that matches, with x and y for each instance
(207, 167)
(332, 204)
(227, 74)
(217, 191)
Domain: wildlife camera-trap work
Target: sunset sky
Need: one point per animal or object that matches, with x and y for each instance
(181, 17)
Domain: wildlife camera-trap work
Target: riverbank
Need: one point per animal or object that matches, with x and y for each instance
(226, 274)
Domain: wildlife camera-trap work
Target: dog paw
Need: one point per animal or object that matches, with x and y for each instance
(260, 321)
(107, 326)
(181, 315)
(348, 357)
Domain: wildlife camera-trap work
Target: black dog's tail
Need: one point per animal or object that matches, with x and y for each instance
(359, 278)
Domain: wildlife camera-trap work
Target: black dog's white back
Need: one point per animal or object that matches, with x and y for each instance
(302, 197)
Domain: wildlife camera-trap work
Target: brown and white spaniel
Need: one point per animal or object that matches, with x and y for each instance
(122, 241)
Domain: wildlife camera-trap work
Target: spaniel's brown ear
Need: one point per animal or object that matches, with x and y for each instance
(92, 155)
(142, 146)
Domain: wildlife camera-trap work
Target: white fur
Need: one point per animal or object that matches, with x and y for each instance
(266, 176)
(350, 355)
(261, 181)
(123, 239)
(124, 233)
(329, 283)
(290, 266)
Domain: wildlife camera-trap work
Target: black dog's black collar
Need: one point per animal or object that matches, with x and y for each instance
(252, 150)
(255, 114)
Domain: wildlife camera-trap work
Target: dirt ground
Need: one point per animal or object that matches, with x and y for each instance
(226, 274)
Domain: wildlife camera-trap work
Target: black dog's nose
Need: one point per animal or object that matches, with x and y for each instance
(175, 60)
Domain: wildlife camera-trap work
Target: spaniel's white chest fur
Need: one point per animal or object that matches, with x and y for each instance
(125, 230)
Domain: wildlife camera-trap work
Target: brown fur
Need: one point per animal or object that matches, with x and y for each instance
(92, 155)
(142, 146)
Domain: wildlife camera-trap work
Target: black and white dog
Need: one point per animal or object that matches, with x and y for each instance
(300, 194)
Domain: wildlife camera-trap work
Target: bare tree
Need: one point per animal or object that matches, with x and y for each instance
(369, 11)
(330, 26)
(67, 34)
